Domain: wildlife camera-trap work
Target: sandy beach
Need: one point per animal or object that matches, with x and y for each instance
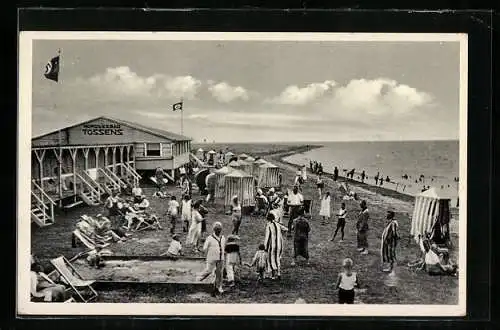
(314, 282)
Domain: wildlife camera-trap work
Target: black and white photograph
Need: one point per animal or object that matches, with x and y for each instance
(210, 173)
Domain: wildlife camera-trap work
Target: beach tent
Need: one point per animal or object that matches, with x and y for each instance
(246, 167)
(228, 156)
(243, 156)
(250, 159)
(268, 175)
(240, 184)
(211, 157)
(431, 216)
(236, 164)
(220, 179)
(256, 164)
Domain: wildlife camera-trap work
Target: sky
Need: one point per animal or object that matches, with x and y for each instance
(255, 91)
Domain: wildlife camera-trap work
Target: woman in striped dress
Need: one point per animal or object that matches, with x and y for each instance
(273, 242)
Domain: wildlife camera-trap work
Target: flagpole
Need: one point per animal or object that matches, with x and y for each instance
(182, 117)
(59, 134)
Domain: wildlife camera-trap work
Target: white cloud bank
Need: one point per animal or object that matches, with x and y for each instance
(294, 95)
(123, 82)
(225, 93)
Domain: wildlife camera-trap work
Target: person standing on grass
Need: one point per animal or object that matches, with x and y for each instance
(346, 282)
(301, 238)
(194, 234)
(186, 212)
(320, 185)
(173, 211)
(340, 222)
(214, 248)
(295, 201)
(233, 257)
(273, 242)
(389, 242)
(236, 214)
(362, 227)
(325, 208)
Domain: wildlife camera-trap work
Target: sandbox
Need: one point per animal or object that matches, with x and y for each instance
(125, 271)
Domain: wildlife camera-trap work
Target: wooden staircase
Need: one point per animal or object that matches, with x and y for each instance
(200, 163)
(89, 191)
(42, 206)
(130, 172)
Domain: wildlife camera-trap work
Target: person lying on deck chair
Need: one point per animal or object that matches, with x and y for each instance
(42, 287)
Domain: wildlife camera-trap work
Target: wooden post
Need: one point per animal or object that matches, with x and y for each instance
(97, 151)
(106, 157)
(73, 157)
(40, 161)
(86, 155)
(114, 159)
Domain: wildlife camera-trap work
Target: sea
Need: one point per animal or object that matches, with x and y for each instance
(426, 163)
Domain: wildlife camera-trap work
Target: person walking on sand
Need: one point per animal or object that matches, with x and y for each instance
(301, 238)
(340, 223)
(362, 227)
(376, 178)
(335, 173)
(325, 207)
(320, 185)
(363, 175)
(214, 248)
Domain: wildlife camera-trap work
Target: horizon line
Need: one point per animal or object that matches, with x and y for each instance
(326, 141)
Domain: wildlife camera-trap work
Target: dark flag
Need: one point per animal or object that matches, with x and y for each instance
(177, 106)
(52, 69)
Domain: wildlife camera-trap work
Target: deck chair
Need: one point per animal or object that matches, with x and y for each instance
(87, 241)
(74, 279)
(148, 222)
(39, 296)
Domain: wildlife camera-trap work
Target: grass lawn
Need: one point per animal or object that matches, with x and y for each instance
(313, 282)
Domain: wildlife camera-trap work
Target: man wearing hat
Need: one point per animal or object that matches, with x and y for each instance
(214, 248)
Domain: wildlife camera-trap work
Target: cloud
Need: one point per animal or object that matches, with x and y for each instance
(294, 95)
(121, 83)
(225, 93)
(379, 97)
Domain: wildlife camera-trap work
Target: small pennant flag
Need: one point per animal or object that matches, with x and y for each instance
(177, 106)
(52, 69)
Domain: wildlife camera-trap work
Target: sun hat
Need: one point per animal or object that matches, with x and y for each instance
(217, 225)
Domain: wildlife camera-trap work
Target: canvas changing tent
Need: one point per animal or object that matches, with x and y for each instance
(240, 184)
(431, 216)
(246, 166)
(268, 175)
(220, 175)
(243, 156)
(228, 156)
(256, 165)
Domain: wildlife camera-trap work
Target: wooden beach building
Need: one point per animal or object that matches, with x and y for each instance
(81, 163)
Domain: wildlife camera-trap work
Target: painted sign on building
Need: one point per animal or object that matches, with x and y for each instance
(102, 129)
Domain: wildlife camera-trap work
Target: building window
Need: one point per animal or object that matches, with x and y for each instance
(153, 149)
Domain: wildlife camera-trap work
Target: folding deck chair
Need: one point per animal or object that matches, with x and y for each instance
(87, 241)
(147, 221)
(39, 297)
(74, 279)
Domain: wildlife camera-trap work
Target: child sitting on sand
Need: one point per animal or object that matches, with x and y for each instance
(260, 262)
(346, 282)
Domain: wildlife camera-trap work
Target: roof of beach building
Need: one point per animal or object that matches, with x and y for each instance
(433, 193)
(238, 174)
(151, 130)
(268, 165)
(224, 170)
(260, 161)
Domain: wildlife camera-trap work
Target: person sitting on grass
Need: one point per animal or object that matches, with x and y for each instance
(42, 287)
(142, 205)
(436, 264)
(260, 262)
(175, 248)
(94, 258)
(346, 282)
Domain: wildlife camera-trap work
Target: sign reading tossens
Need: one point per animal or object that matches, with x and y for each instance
(104, 129)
